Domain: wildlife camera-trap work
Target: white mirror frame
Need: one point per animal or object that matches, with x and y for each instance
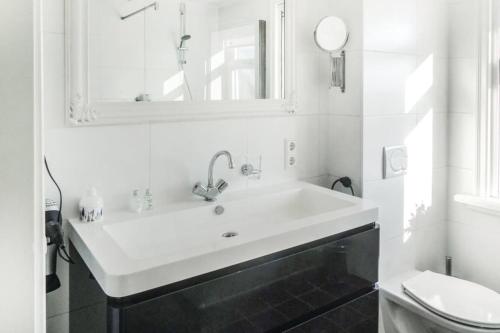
(80, 111)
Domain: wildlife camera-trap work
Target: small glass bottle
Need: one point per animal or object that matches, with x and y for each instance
(148, 200)
(136, 202)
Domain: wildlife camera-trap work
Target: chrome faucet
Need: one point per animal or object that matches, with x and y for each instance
(211, 191)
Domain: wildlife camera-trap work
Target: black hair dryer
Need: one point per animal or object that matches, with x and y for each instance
(54, 235)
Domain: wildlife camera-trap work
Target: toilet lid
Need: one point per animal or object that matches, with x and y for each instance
(458, 300)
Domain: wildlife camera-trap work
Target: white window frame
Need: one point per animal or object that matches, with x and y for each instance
(487, 166)
(487, 117)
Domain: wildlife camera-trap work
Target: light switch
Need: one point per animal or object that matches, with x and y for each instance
(395, 161)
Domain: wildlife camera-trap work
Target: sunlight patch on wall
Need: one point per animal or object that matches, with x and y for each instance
(419, 84)
(419, 180)
(174, 82)
(216, 89)
(217, 60)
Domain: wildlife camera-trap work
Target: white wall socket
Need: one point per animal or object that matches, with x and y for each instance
(291, 145)
(290, 153)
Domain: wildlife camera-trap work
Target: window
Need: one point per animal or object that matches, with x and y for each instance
(488, 148)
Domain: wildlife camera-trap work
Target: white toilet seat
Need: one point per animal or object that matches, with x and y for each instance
(392, 291)
(455, 299)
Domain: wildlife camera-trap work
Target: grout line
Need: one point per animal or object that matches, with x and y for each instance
(408, 54)
(450, 166)
(338, 115)
(76, 309)
(460, 113)
(392, 115)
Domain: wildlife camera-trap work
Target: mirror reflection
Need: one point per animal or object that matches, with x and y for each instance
(193, 50)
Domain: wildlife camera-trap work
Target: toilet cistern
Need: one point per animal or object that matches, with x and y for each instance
(211, 191)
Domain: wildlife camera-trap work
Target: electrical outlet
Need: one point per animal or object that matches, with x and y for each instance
(290, 153)
(291, 146)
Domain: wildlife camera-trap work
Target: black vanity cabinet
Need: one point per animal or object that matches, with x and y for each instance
(325, 286)
(357, 316)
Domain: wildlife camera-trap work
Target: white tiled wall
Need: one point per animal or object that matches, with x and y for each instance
(405, 83)
(396, 94)
(344, 153)
(171, 157)
(473, 236)
(404, 103)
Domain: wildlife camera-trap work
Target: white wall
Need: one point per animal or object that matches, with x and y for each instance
(404, 59)
(21, 288)
(473, 236)
(171, 157)
(396, 94)
(344, 157)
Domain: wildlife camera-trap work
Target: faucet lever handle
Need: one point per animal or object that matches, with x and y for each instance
(249, 170)
(221, 185)
(198, 188)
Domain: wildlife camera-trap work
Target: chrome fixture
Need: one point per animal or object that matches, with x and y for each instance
(338, 72)
(137, 11)
(219, 210)
(182, 49)
(331, 35)
(211, 191)
(229, 234)
(448, 266)
(143, 98)
(184, 39)
(249, 170)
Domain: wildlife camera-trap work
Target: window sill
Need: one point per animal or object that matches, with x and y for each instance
(484, 205)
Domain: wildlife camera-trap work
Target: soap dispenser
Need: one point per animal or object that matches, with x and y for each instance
(91, 206)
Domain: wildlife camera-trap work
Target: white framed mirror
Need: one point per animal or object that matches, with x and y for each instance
(161, 60)
(331, 34)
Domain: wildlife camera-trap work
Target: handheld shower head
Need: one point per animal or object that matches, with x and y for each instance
(183, 40)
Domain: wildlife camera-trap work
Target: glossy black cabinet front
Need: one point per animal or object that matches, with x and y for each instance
(331, 281)
(357, 316)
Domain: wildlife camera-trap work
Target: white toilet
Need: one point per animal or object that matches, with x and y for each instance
(422, 302)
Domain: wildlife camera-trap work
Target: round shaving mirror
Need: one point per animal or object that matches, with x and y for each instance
(331, 34)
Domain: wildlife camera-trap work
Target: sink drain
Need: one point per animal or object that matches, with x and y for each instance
(230, 234)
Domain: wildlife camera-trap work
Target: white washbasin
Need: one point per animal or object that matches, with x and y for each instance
(130, 253)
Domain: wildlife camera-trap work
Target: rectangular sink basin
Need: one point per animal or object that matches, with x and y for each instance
(130, 253)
